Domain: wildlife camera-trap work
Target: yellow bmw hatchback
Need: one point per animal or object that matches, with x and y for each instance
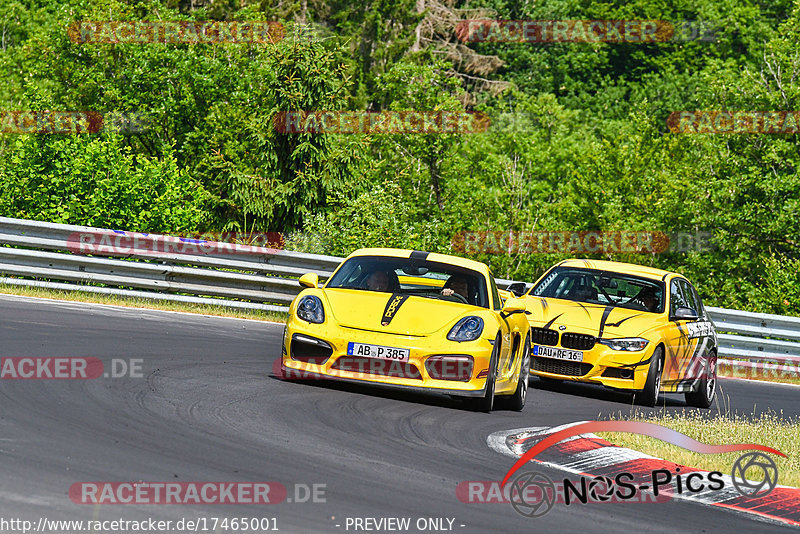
(623, 326)
(415, 320)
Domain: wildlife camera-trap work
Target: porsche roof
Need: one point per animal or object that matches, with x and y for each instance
(430, 256)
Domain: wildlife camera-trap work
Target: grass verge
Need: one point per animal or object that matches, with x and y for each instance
(769, 429)
(201, 309)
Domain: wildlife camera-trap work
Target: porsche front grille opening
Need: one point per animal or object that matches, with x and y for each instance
(570, 340)
(375, 366)
(310, 350)
(544, 336)
(560, 367)
(616, 372)
(450, 367)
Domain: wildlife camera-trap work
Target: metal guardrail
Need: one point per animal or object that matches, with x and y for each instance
(757, 345)
(173, 268)
(188, 270)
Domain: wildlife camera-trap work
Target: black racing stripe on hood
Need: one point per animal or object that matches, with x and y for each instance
(394, 303)
(552, 320)
(584, 308)
(616, 325)
(419, 255)
(606, 312)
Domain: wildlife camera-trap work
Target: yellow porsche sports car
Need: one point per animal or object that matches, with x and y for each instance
(411, 319)
(624, 326)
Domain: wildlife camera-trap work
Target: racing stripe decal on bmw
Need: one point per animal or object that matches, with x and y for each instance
(606, 312)
(616, 325)
(634, 365)
(584, 308)
(391, 308)
(553, 320)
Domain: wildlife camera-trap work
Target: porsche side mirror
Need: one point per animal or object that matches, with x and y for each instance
(512, 306)
(517, 288)
(309, 280)
(687, 314)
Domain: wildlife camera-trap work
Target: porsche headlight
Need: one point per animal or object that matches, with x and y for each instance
(310, 309)
(467, 329)
(630, 344)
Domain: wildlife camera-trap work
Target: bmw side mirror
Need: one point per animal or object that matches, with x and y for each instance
(517, 288)
(687, 314)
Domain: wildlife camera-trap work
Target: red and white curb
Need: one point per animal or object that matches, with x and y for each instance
(591, 456)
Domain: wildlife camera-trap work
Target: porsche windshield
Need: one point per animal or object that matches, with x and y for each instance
(602, 287)
(412, 277)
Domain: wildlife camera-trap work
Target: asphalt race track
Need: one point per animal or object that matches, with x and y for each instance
(206, 408)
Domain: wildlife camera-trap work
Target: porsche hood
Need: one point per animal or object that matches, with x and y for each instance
(584, 318)
(392, 313)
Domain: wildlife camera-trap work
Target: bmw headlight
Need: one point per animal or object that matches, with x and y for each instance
(310, 309)
(467, 329)
(630, 344)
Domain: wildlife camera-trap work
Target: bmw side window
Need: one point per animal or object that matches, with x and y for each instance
(676, 299)
(691, 301)
(701, 311)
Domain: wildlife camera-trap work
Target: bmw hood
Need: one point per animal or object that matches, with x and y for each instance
(583, 318)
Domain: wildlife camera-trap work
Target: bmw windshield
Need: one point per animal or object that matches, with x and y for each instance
(602, 287)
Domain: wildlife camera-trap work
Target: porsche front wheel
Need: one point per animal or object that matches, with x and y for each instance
(517, 400)
(486, 403)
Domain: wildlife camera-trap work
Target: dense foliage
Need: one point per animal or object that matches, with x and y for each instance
(578, 139)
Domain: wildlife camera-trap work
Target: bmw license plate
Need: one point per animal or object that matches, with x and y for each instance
(378, 351)
(559, 354)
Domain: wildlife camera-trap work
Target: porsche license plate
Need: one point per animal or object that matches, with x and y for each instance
(378, 351)
(559, 354)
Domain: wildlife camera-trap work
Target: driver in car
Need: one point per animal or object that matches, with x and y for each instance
(377, 281)
(647, 298)
(456, 284)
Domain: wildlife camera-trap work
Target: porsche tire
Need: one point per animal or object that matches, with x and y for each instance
(706, 387)
(516, 401)
(486, 403)
(652, 387)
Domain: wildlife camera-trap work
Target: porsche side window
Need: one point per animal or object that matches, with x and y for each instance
(495, 294)
(676, 299)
